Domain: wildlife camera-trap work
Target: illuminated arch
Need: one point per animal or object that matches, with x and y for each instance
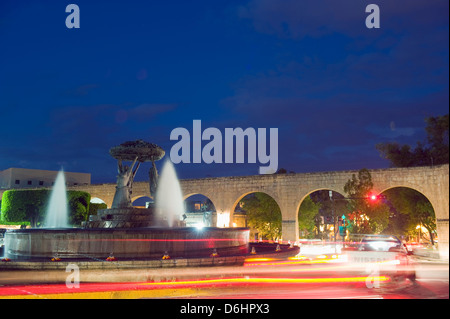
(138, 199)
(96, 200)
(233, 219)
(297, 215)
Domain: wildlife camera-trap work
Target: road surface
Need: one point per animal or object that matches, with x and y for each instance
(322, 277)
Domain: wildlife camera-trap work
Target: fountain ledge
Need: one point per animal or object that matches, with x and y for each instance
(125, 264)
(238, 260)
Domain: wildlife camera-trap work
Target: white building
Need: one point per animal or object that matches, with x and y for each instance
(35, 178)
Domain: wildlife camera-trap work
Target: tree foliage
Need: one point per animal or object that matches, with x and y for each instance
(398, 212)
(24, 207)
(434, 151)
(365, 216)
(263, 214)
(411, 209)
(359, 186)
(307, 214)
(78, 206)
(28, 207)
(438, 139)
(94, 207)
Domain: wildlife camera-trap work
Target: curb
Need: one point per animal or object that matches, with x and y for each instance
(285, 252)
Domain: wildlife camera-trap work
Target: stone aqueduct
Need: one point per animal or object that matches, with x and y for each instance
(289, 190)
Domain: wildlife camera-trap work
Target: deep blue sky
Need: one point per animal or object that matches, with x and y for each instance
(139, 69)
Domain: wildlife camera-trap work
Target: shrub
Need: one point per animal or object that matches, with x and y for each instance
(94, 207)
(28, 207)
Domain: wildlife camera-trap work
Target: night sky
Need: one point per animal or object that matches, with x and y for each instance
(139, 69)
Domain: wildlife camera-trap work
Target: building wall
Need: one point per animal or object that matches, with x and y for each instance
(34, 178)
(5, 179)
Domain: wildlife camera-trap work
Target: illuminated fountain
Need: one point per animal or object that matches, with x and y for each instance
(169, 202)
(126, 232)
(57, 213)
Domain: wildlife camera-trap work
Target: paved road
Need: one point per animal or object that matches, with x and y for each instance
(334, 281)
(319, 278)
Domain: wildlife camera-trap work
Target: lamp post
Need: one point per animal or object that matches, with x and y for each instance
(330, 194)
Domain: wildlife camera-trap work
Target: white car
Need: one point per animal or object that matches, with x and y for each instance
(387, 253)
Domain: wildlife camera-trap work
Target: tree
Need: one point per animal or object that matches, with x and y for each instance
(263, 214)
(359, 187)
(282, 170)
(94, 207)
(28, 207)
(78, 207)
(329, 207)
(403, 155)
(424, 215)
(307, 216)
(437, 136)
(434, 151)
(399, 221)
(365, 216)
(411, 209)
(24, 207)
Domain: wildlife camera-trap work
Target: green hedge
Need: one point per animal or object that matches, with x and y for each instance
(79, 203)
(94, 207)
(28, 207)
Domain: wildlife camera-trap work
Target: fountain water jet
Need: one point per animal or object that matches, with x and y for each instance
(169, 199)
(57, 213)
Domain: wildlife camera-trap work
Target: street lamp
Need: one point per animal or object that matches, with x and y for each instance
(335, 229)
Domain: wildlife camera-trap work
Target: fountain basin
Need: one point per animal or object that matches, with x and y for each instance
(124, 243)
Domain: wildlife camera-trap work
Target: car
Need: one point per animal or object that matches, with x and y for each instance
(385, 253)
(380, 243)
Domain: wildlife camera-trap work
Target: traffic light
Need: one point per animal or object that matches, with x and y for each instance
(342, 226)
(374, 197)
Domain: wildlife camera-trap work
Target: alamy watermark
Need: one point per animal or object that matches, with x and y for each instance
(73, 279)
(372, 280)
(373, 19)
(73, 19)
(225, 149)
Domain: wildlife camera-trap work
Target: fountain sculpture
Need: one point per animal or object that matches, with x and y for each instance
(127, 232)
(122, 214)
